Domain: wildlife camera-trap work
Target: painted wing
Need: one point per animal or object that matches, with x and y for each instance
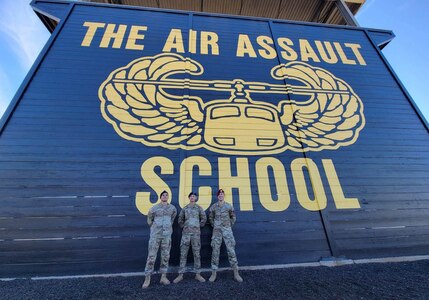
(326, 120)
(145, 112)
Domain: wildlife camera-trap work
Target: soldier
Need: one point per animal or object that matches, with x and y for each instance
(191, 218)
(222, 218)
(160, 219)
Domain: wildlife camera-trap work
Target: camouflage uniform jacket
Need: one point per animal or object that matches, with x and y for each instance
(191, 218)
(222, 216)
(160, 219)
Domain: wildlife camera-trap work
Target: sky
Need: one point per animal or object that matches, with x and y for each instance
(22, 37)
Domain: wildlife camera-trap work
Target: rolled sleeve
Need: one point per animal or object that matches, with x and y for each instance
(203, 217)
(181, 219)
(232, 216)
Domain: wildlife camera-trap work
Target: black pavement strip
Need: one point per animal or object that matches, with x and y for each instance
(408, 280)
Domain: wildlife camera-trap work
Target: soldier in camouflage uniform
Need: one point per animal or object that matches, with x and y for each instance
(191, 218)
(160, 219)
(222, 218)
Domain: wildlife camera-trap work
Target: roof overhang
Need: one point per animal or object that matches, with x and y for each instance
(52, 11)
(319, 11)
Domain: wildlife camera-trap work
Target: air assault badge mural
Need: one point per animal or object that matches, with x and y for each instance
(136, 100)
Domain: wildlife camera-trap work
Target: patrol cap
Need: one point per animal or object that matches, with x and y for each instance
(220, 191)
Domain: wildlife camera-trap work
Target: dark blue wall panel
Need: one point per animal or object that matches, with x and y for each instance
(69, 181)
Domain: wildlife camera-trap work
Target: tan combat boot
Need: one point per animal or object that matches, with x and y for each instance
(199, 277)
(213, 276)
(178, 278)
(146, 282)
(164, 280)
(237, 276)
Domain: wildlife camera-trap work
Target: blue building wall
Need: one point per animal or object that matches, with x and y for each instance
(74, 188)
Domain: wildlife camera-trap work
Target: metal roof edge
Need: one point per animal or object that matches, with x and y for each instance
(83, 3)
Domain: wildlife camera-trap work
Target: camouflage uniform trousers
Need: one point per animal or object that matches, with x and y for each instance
(187, 240)
(228, 237)
(154, 243)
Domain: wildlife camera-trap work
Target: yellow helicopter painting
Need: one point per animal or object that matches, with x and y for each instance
(137, 101)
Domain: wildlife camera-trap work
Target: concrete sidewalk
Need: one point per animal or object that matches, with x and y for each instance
(406, 280)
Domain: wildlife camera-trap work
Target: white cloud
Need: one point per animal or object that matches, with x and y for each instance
(22, 36)
(6, 90)
(21, 29)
